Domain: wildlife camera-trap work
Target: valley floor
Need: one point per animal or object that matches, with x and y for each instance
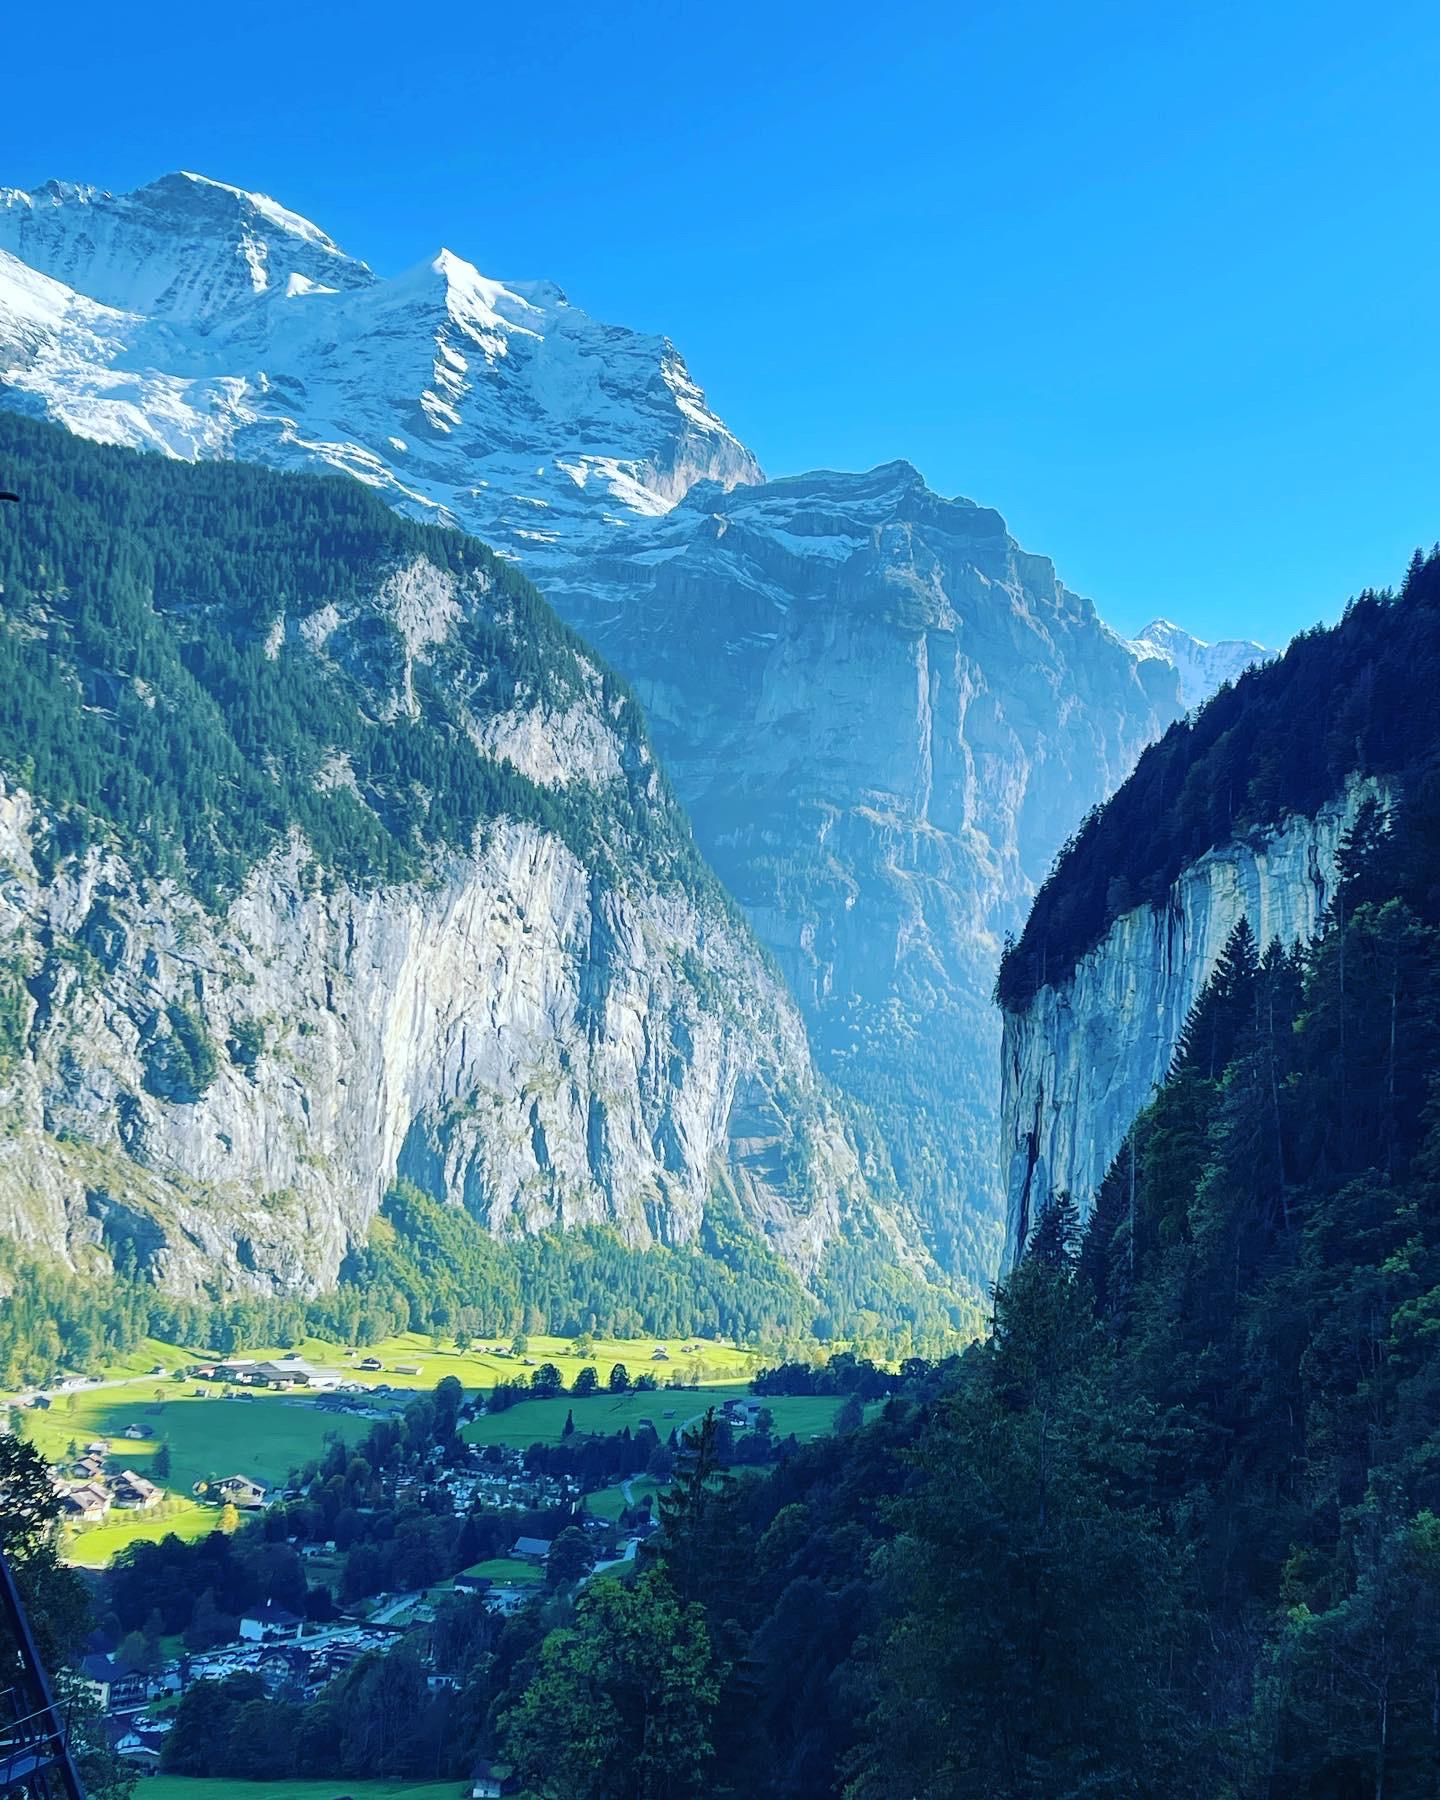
(265, 1435)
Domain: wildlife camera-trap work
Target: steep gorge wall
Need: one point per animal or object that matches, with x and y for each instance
(510, 1033)
(884, 717)
(1082, 1058)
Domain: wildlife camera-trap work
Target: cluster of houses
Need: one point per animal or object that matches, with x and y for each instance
(284, 1373)
(91, 1489)
(506, 1482)
(269, 1645)
(281, 1373)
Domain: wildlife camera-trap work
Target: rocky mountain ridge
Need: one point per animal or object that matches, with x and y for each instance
(443, 922)
(204, 321)
(883, 715)
(1201, 667)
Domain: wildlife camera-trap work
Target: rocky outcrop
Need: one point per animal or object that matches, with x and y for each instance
(509, 1033)
(438, 917)
(1084, 1056)
(884, 717)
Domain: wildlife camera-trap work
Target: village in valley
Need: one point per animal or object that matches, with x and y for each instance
(546, 1480)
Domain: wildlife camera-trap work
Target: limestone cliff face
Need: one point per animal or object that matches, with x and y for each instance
(1083, 1057)
(510, 1033)
(439, 918)
(884, 717)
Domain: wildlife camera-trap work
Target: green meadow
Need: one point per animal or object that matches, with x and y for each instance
(609, 1503)
(507, 1571)
(270, 1434)
(480, 1367)
(543, 1421)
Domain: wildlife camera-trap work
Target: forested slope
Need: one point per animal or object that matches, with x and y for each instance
(1349, 701)
(1175, 1528)
(332, 860)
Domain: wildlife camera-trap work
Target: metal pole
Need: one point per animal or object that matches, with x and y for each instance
(55, 1736)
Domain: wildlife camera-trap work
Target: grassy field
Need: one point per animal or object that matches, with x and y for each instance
(609, 1503)
(476, 1368)
(481, 1368)
(543, 1421)
(199, 1787)
(93, 1546)
(264, 1438)
(508, 1571)
(270, 1435)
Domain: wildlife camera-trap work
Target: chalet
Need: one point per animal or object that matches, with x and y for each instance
(100, 1447)
(659, 1355)
(86, 1502)
(408, 1369)
(140, 1747)
(134, 1491)
(139, 1431)
(472, 1584)
(239, 1491)
(97, 1672)
(270, 1621)
(129, 1688)
(372, 1362)
(531, 1549)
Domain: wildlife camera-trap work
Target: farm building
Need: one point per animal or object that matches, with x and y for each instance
(270, 1621)
(134, 1492)
(87, 1503)
(239, 1491)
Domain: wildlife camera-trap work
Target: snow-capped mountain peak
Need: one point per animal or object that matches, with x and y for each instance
(1201, 667)
(204, 320)
(184, 248)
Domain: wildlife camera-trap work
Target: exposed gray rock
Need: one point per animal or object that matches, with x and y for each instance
(884, 717)
(1083, 1058)
(548, 1042)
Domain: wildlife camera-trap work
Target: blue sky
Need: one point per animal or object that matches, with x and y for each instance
(1157, 282)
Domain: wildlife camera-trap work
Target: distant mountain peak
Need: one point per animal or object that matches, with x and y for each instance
(182, 248)
(239, 328)
(1201, 667)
